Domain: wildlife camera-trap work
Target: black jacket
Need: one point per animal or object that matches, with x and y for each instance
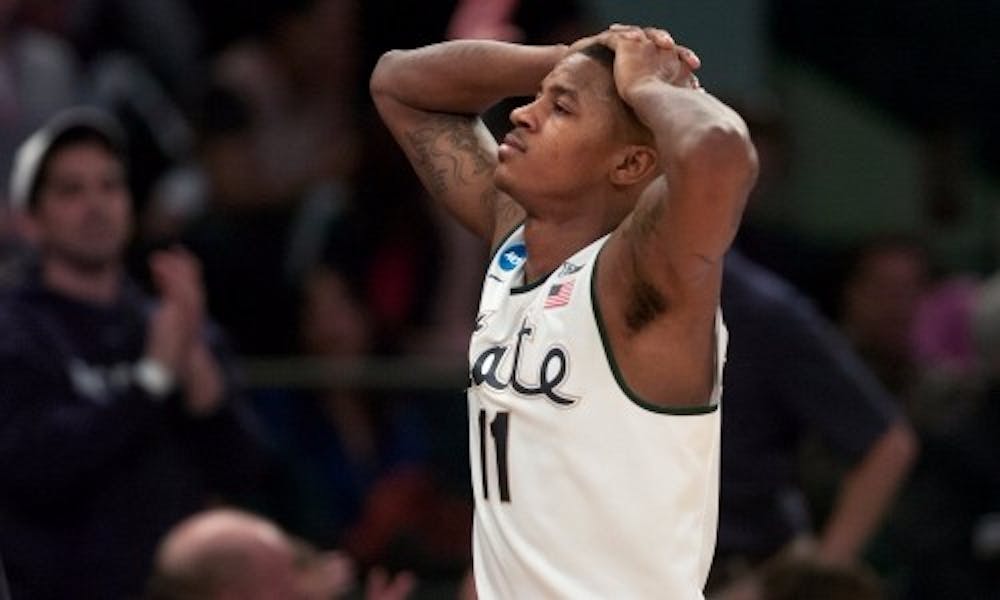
(93, 470)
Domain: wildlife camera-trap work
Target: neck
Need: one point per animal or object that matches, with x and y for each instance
(550, 243)
(99, 285)
(554, 237)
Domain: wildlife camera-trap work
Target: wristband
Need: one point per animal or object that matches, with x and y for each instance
(153, 377)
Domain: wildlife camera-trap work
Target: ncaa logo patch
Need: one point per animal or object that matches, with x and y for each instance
(513, 257)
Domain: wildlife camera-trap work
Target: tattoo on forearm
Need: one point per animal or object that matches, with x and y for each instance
(446, 152)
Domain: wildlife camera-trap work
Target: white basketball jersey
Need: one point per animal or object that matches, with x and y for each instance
(582, 489)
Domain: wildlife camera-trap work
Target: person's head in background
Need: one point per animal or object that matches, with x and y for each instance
(795, 578)
(884, 283)
(70, 197)
(228, 554)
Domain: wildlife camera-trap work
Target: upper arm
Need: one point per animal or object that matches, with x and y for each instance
(686, 219)
(455, 156)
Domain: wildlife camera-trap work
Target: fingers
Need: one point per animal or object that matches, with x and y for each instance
(175, 267)
(689, 57)
(628, 32)
(661, 38)
(177, 275)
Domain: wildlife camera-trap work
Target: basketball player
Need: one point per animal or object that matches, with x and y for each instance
(598, 348)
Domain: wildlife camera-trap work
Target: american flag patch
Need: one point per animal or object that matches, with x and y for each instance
(559, 294)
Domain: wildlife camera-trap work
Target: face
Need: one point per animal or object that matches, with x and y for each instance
(882, 299)
(83, 211)
(563, 142)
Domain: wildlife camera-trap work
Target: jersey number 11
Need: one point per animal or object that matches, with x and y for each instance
(499, 428)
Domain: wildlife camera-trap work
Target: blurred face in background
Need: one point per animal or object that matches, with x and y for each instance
(82, 214)
(881, 298)
(322, 42)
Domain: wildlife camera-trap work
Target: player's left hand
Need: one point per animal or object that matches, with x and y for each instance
(642, 53)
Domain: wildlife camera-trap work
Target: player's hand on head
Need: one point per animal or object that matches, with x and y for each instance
(649, 52)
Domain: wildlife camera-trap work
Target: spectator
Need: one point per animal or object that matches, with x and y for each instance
(227, 554)
(119, 414)
(946, 524)
(38, 77)
(795, 578)
(230, 215)
(790, 375)
(300, 77)
(886, 280)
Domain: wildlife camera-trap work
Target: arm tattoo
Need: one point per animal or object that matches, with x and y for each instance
(446, 151)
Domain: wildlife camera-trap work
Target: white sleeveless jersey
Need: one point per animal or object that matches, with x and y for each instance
(582, 489)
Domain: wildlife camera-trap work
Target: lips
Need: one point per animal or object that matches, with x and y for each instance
(514, 142)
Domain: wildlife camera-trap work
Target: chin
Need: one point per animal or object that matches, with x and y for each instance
(501, 180)
(507, 180)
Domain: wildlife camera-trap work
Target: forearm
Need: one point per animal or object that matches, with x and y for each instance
(690, 125)
(462, 76)
(866, 493)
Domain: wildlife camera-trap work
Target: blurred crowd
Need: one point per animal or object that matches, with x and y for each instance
(865, 393)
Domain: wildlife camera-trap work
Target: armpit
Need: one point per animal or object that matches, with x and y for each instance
(645, 303)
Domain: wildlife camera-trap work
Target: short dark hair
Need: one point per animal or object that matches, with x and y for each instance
(606, 57)
(601, 53)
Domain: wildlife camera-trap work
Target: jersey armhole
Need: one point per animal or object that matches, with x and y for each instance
(619, 377)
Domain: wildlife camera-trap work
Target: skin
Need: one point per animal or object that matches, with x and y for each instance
(83, 216)
(670, 189)
(230, 554)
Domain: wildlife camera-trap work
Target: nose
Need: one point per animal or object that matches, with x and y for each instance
(522, 116)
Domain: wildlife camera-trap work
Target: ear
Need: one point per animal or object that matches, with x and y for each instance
(633, 164)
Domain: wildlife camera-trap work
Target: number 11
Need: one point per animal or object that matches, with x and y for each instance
(499, 427)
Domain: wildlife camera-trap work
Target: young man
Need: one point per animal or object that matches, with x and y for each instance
(597, 352)
(791, 378)
(117, 416)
